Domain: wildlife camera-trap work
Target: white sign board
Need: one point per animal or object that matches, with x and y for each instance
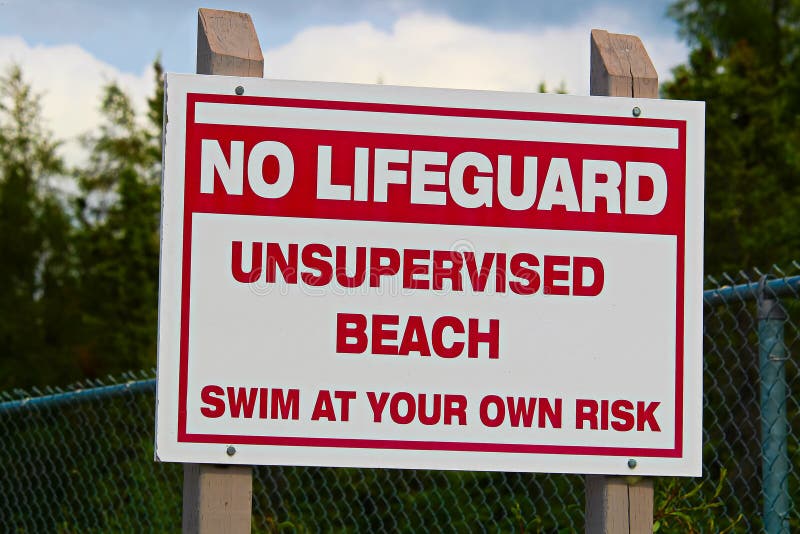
(382, 276)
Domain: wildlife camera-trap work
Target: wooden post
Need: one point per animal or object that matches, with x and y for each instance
(219, 498)
(620, 66)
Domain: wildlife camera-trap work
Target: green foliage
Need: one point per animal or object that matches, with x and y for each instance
(78, 273)
(686, 506)
(117, 246)
(37, 278)
(560, 90)
(380, 500)
(745, 65)
(86, 466)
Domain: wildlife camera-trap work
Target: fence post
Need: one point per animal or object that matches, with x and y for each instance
(620, 66)
(772, 355)
(219, 498)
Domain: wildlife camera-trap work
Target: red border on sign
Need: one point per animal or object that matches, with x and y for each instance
(525, 448)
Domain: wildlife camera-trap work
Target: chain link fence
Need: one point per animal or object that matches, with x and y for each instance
(81, 459)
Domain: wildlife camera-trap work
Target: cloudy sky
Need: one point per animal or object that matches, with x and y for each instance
(69, 48)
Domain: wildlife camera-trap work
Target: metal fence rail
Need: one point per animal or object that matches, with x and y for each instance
(80, 460)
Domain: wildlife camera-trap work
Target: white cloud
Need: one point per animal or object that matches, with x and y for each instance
(420, 49)
(70, 81)
(428, 50)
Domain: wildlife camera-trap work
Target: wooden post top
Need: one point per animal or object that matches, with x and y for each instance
(621, 66)
(227, 44)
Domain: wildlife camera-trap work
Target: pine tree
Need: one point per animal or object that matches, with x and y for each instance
(118, 213)
(745, 64)
(37, 276)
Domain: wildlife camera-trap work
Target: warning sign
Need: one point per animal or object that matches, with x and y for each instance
(400, 277)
